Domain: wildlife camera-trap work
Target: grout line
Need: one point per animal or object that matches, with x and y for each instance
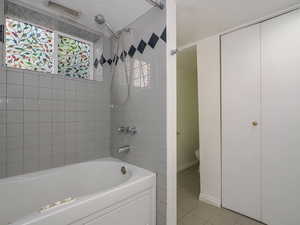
(23, 149)
(5, 144)
(38, 122)
(52, 125)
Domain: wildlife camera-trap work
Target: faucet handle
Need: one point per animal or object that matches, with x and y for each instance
(121, 130)
(131, 131)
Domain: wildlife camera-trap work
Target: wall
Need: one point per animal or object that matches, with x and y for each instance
(52, 120)
(187, 108)
(1, 22)
(146, 108)
(208, 53)
(2, 99)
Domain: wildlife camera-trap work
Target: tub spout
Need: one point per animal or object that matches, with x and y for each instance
(124, 149)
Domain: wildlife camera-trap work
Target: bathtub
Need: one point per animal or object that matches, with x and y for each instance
(100, 192)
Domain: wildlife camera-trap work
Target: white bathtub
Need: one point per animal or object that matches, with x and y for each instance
(99, 194)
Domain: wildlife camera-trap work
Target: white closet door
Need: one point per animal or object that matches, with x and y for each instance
(281, 119)
(241, 121)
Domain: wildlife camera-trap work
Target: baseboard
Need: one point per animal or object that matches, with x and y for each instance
(210, 200)
(187, 165)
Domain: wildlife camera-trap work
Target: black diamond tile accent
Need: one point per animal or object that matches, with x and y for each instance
(131, 51)
(102, 60)
(163, 36)
(2, 31)
(123, 56)
(116, 60)
(142, 46)
(96, 63)
(109, 61)
(153, 40)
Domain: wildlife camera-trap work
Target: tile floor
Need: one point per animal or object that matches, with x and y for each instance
(191, 211)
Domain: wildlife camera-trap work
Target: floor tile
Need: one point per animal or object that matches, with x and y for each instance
(247, 221)
(191, 211)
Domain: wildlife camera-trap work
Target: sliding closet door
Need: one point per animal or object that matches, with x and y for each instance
(281, 119)
(241, 121)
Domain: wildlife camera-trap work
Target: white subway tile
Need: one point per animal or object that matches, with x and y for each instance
(46, 105)
(14, 130)
(2, 90)
(14, 104)
(2, 103)
(45, 93)
(14, 169)
(58, 83)
(31, 129)
(31, 79)
(31, 116)
(31, 104)
(31, 92)
(46, 81)
(14, 91)
(2, 75)
(45, 117)
(14, 116)
(14, 77)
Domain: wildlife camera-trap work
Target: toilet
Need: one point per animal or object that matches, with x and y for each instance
(197, 154)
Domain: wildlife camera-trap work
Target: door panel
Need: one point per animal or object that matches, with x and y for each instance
(240, 109)
(281, 119)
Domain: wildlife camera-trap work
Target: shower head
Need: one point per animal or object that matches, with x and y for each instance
(100, 19)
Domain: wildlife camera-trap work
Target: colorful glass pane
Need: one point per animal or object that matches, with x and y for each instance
(73, 57)
(28, 46)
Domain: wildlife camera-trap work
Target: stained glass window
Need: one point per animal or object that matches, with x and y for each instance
(34, 48)
(28, 46)
(73, 57)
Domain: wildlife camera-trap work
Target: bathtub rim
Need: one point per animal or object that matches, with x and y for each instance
(143, 178)
(51, 171)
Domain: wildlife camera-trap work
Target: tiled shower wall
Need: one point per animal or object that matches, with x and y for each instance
(146, 108)
(49, 120)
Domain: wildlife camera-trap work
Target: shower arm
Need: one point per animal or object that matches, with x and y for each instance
(156, 4)
(111, 30)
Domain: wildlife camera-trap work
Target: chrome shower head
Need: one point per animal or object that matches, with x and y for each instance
(100, 19)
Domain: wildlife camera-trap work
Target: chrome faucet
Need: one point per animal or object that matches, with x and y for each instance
(131, 130)
(127, 130)
(124, 149)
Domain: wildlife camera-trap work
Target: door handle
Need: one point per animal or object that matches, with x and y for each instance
(254, 123)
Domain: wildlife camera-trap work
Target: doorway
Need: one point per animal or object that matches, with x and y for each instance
(198, 125)
(188, 177)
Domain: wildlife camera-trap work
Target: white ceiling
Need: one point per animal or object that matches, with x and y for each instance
(197, 19)
(118, 13)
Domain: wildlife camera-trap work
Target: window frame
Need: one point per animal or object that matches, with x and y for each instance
(56, 35)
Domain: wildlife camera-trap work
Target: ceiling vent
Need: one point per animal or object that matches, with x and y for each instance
(58, 7)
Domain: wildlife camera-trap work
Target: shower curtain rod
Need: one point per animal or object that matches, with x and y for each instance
(159, 4)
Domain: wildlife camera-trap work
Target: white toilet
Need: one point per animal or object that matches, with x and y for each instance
(197, 154)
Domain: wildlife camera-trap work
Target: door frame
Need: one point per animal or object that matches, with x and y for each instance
(171, 114)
